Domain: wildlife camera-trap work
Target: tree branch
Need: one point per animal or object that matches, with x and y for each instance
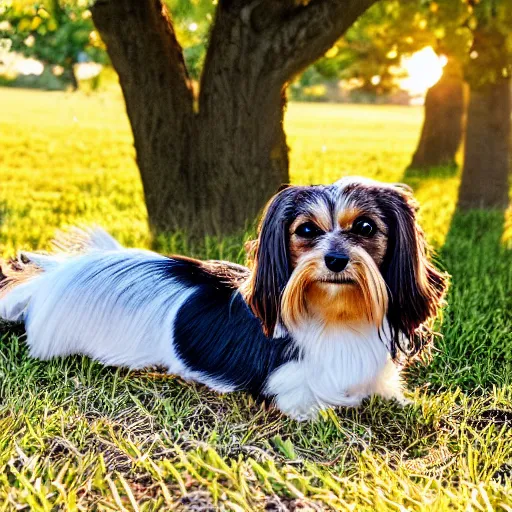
(144, 50)
(266, 12)
(311, 29)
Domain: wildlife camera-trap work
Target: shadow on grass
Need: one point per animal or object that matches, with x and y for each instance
(415, 177)
(420, 179)
(475, 351)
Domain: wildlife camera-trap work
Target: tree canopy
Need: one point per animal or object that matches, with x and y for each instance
(55, 32)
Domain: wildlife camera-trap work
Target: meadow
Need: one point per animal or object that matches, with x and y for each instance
(77, 436)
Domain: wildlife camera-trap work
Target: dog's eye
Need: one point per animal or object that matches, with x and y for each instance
(308, 230)
(364, 227)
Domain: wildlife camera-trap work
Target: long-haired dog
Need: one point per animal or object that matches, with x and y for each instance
(340, 292)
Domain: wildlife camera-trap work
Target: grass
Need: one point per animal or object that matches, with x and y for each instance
(75, 435)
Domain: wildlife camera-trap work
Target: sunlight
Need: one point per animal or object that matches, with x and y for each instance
(424, 69)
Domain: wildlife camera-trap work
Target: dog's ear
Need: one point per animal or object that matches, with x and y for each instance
(416, 288)
(271, 267)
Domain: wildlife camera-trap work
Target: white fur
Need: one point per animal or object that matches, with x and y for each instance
(121, 316)
(100, 304)
(337, 368)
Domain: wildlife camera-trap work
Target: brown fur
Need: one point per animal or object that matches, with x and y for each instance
(15, 272)
(346, 217)
(307, 294)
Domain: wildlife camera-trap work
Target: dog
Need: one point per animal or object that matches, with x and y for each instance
(340, 293)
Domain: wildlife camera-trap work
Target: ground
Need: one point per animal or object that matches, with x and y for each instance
(75, 435)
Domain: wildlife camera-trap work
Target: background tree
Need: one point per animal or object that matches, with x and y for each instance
(443, 124)
(209, 162)
(372, 50)
(444, 112)
(57, 33)
(485, 176)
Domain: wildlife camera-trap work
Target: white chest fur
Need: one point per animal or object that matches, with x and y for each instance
(337, 367)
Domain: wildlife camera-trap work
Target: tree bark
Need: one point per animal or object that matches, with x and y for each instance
(208, 165)
(487, 148)
(442, 130)
(144, 51)
(485, 173)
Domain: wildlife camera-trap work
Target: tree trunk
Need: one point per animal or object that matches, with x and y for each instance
(73, 80)
(240, 154)
(144, 51)
(487, 146)
(442, 130)
(208, 165)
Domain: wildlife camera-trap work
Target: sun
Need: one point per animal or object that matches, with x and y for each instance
(424, 69)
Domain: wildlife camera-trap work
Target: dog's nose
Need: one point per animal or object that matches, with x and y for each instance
(336, 261)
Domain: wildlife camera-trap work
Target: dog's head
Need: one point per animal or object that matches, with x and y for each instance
(352, 253)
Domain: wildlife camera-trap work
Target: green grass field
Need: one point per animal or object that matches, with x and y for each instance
(77, 436)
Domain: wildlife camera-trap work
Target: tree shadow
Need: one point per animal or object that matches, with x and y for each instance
(417, 177)
(475, 351)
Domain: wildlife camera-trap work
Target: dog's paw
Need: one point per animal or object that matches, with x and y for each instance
(298, 405)
(303, 415)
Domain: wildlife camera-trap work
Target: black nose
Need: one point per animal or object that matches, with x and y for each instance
(336, 261)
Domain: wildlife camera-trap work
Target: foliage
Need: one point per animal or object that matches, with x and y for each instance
(371, 50)
(56, 32)
(192, 22)
(74, 434)
(373, 47)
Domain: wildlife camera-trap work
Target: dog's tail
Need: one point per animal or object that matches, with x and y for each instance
(19, 277)
(80, 240)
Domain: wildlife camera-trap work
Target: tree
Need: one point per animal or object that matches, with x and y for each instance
(477, 34)
(445, 102)
(57, 33)
(485, 176)
(442, 129)
(373, 48)
(209, 162)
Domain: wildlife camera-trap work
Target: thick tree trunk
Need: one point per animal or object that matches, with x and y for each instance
(442, 130)
(208, 166)
(240, 156)
(487, 148)
(144, 51)
(487, 145)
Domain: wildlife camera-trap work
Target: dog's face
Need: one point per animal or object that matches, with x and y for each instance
(347, 253)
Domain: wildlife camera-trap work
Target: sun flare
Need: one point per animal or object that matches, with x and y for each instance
(424, 69)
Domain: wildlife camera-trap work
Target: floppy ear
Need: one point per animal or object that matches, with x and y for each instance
(271, 266)
(416, 288)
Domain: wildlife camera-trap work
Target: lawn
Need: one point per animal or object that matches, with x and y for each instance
(75, 435)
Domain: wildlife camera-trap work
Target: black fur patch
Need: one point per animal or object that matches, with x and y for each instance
(216, 333)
